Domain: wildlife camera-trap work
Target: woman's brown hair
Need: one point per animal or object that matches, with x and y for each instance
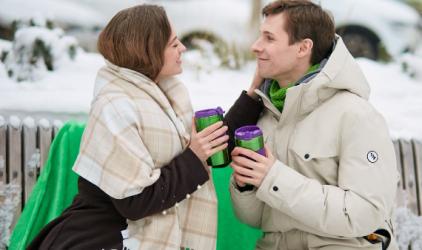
(306, 19)
(135, 38)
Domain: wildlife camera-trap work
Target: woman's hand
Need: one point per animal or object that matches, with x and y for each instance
(204, 143)
(256, 84)
(248, 171)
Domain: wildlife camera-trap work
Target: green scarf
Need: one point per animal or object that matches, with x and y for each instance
(278, 95)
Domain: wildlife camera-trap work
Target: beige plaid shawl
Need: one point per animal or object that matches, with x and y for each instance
(135, 127)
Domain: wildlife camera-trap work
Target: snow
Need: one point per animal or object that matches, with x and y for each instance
(57, 123)
(26, 59)
(397, 96)
(44, 124)
(61, 11)
(29, 122)
(35, 160)
(408, 227)
(14, 121)
(12, 193)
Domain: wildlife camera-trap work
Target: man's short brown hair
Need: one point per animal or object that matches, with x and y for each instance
(305, 19)
(135, 38)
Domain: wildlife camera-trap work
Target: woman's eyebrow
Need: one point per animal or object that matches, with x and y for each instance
(174, 39)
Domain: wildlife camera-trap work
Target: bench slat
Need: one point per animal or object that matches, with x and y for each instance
(409, 175)
(15, 165)
(29, 148)
(400, 185)
(44, 144)
(3, 173)
(417, 150)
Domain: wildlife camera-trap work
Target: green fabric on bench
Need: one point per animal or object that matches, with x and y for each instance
(57, 185)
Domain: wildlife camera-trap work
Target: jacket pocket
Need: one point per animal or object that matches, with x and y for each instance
(318, 162)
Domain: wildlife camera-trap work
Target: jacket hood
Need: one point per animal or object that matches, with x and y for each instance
(342, 72)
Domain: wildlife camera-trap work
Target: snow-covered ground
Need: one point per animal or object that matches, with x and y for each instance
(67, 93)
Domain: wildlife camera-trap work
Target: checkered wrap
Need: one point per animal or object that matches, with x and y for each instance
(135, 127)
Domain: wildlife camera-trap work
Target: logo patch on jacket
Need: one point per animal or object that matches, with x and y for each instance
(372, 156)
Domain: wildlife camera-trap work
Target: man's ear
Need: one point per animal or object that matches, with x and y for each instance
(305, 48)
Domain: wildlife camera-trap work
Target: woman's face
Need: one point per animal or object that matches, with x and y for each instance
(172, 53)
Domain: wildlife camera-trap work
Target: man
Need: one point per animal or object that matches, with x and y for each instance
(329, 177)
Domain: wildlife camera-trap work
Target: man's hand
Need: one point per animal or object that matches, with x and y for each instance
(248, 171)
(256, 84)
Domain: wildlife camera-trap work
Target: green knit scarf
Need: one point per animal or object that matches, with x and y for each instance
(278, 95)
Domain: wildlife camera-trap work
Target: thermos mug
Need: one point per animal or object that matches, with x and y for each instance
(205, 118)
(250, 137)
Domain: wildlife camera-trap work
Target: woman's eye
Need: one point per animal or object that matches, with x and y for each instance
(175, 46)
(269, 38)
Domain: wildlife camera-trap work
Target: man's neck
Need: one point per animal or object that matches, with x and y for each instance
(292, 76)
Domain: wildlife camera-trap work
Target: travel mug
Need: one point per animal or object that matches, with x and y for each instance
(205, 118)
(250, 137)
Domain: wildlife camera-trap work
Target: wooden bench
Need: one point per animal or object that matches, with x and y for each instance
(18, 144)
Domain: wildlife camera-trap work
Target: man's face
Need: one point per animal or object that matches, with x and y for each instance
(276, 58)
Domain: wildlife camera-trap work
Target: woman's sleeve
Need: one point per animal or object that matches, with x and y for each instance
(179, 178)
(245, 111)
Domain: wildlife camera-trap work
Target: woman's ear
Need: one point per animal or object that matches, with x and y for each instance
(305, 48)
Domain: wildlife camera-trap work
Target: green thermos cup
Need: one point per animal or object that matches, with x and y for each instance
(205, 118)
(250, 137)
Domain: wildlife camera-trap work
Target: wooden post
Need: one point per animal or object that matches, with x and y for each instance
(15, 164)
(400, 185)
(29, 160)
(417, 151)
(44, 140)
(409, 175)
(3, 174)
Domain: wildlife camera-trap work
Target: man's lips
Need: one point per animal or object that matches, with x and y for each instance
(262, 59)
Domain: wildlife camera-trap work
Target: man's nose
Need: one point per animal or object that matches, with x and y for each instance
(256, 46)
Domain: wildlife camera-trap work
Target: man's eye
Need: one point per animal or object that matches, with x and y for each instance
(269, 38)
(175, 46)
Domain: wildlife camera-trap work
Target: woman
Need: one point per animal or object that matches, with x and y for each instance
(143, 183)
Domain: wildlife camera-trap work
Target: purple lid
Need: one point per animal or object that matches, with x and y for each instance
(247, 132)
(209, 112)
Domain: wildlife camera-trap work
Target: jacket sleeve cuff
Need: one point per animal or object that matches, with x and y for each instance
(234, 188)
(277, 185)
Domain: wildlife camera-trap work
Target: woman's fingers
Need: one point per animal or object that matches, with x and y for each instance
(215, 134)
(219, 140)
(217, 149)
(208, 130)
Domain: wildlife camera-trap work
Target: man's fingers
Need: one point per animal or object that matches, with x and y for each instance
(243, 179)
(249, 153)
(242, 161)
(242, 170)
(268, 152)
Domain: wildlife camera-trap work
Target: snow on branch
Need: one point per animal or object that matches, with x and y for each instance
(37, 48)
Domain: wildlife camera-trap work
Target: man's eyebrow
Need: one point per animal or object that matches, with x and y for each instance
(267, 32)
